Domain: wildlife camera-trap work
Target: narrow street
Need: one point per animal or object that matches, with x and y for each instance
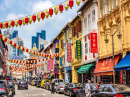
(35, 92)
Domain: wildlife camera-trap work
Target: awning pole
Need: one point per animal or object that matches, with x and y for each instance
(82, 78)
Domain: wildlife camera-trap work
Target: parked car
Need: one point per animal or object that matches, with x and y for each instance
(38, 84)
(56, 82)
(60, 87)
(112, 90)
(11, 86)
(22, 85)
(33, 83)
(71, 89)
(4, 88)
(81, 92)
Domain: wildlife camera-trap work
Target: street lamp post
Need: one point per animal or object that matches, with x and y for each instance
(106, 41)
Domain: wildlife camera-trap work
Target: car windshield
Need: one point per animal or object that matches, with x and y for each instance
(23, 83)
(78, 85)
(60, 80)
(62, 83)
(120, 88)
(2, 84)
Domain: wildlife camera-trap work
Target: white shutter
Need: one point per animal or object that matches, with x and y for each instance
(70, 33)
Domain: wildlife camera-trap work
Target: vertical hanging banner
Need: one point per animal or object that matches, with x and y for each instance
(78, 49)
(49, 67)
(93, 36)
(61, 59)
(52, 64)
(69, 52)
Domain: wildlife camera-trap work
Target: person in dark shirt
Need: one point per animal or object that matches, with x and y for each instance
(52, 87)
(100, 83)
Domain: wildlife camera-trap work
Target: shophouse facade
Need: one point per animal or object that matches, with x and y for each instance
(89, 19)
(113, 21)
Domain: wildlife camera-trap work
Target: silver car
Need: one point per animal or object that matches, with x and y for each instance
(59, 88)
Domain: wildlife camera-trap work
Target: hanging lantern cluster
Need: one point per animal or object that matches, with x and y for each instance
(22, 61)
(27, 50)
(40, 15)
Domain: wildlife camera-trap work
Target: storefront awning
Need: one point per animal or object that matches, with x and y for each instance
(50, 76)
(84, 68)
(105, 66)
(46, 76)
(124, 64)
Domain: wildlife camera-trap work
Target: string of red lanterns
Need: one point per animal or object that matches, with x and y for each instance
(5, 39)
(40, 15)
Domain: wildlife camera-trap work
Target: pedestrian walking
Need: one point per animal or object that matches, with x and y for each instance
(88, 89)
(100, 83)
(52, 87)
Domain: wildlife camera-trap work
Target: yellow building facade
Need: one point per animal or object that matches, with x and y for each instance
(62, 56)
(75, 36)
(113, 19)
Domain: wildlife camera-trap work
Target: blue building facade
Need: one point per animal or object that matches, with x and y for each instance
(13, 34)
(19, 50)
(56, 50)
(35, 39)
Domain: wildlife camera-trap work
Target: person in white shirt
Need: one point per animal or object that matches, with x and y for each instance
(88, 89)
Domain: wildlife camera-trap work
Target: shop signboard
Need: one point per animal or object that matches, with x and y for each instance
(61, 64)
(121, 79)
(51, 63)
(69, 52)
(45, 67)
(78, 49)
(56, 68)
(93, 41)
(48, 66)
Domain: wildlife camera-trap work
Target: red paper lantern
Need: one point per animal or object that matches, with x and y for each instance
(26, 20)
(6, 24)
(39, 60)
(83, 1)
(10, 41)
(36, 60)
(20, 22)
(19, 46)
(14, 44)
(34, 18)
(42, 15)
(5, 39)
(27, 50)
(0, 36)
(51, 12)
(23, 49)
(61, 8)
(13, 23)
(1, 25)
(26, 61)
(42, 59)
(71, 3)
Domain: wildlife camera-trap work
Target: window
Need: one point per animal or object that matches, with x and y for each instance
(75, 31)
(86, 48)
(100, 89)
(85, 22)
(93, 15)
(62, 44)
(107, 89)
(89, 19)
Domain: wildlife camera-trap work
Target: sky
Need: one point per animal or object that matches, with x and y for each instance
(15, 9)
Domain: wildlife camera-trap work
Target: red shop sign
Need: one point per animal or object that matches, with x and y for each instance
(94, 47)
(69, 52)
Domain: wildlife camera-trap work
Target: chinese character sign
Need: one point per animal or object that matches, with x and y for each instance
(49, 67)
(94, 47)
(69, 53)
(78, 49)
(51, 62)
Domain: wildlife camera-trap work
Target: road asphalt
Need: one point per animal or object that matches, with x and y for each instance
(33, 91)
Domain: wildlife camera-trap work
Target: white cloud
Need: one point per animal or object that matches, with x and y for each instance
(41, 5)
(13, 16)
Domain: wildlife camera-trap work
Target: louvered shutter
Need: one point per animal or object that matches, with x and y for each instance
(73, 32)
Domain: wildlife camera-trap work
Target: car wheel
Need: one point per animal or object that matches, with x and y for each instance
(64, 93)
(58, 92)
